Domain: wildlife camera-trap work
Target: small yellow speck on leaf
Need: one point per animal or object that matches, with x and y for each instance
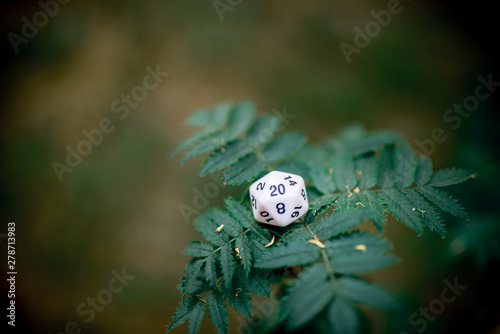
(269, 244)
(360, 247)
(317, 243)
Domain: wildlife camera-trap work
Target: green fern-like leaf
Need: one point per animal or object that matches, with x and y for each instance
(341, 222)
(212, 121)
(227, 262)
(260, 133)
(322, 179)
(402, 208)
(245, 255)
(450, 176)
(371, 200)
(196, 317)
(293, 166)
(386, 168)
(309, 295)
(257, 283)
(198, 249)
(351, 177)
(225, 156)
(193, 309)
(344, 174)
(211, 270)
(244, 170)
(443, 201)
(343, 317)
(292, 254)
(240, 301)
(218, 311)
(359, 253)
(238, 122)
(371, 142)
(366, 167)
(223, 218)
(208, 229)
(198, 286)
(404, 166)
(283, 146)
(239, 212)
(193, 269)
(423, 171)
(356, 290)
(319, 206)
(429, 215)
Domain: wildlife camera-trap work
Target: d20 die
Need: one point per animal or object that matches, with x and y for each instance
(278, 198)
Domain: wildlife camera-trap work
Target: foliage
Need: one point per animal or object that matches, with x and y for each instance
(352, 177)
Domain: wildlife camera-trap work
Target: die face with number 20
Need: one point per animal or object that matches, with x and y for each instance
(278, 198)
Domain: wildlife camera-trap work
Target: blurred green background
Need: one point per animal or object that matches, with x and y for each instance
(119, 208)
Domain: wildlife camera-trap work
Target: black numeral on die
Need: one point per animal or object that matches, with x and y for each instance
(280, 189)
(295, 214)
(266, 214)
(281, 208)
(292, 182)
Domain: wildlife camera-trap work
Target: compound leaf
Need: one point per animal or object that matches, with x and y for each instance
(443, 201)
(322, 179)
(245, 255)
(198, 249)
(239, 212)
(423, 171)
(450, 176)
(208, 229)
(218, 312)
(404, 166)
(386, 167)
(244, 170)
(371, 143)
(343, 317)
(257, 283)
(343, 172)
(226, 262)
(210, 269)
(188, 309)
(223, 218)
(359, 253)
(402, 208)
(284, 146)
(308, 295)
(430, 217)
(225, 156)
(360, 291)
(292, 254)
(366, 166)
(196, 317)
(192, 271)
(370, 199)
(341, 222)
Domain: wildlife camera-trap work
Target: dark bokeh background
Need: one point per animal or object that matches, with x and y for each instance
(120, 206)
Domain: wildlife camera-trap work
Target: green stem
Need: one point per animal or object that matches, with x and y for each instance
(326, 259)
(375, 189)
(234, 238)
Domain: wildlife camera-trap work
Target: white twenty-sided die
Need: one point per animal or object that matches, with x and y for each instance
(278, 198)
